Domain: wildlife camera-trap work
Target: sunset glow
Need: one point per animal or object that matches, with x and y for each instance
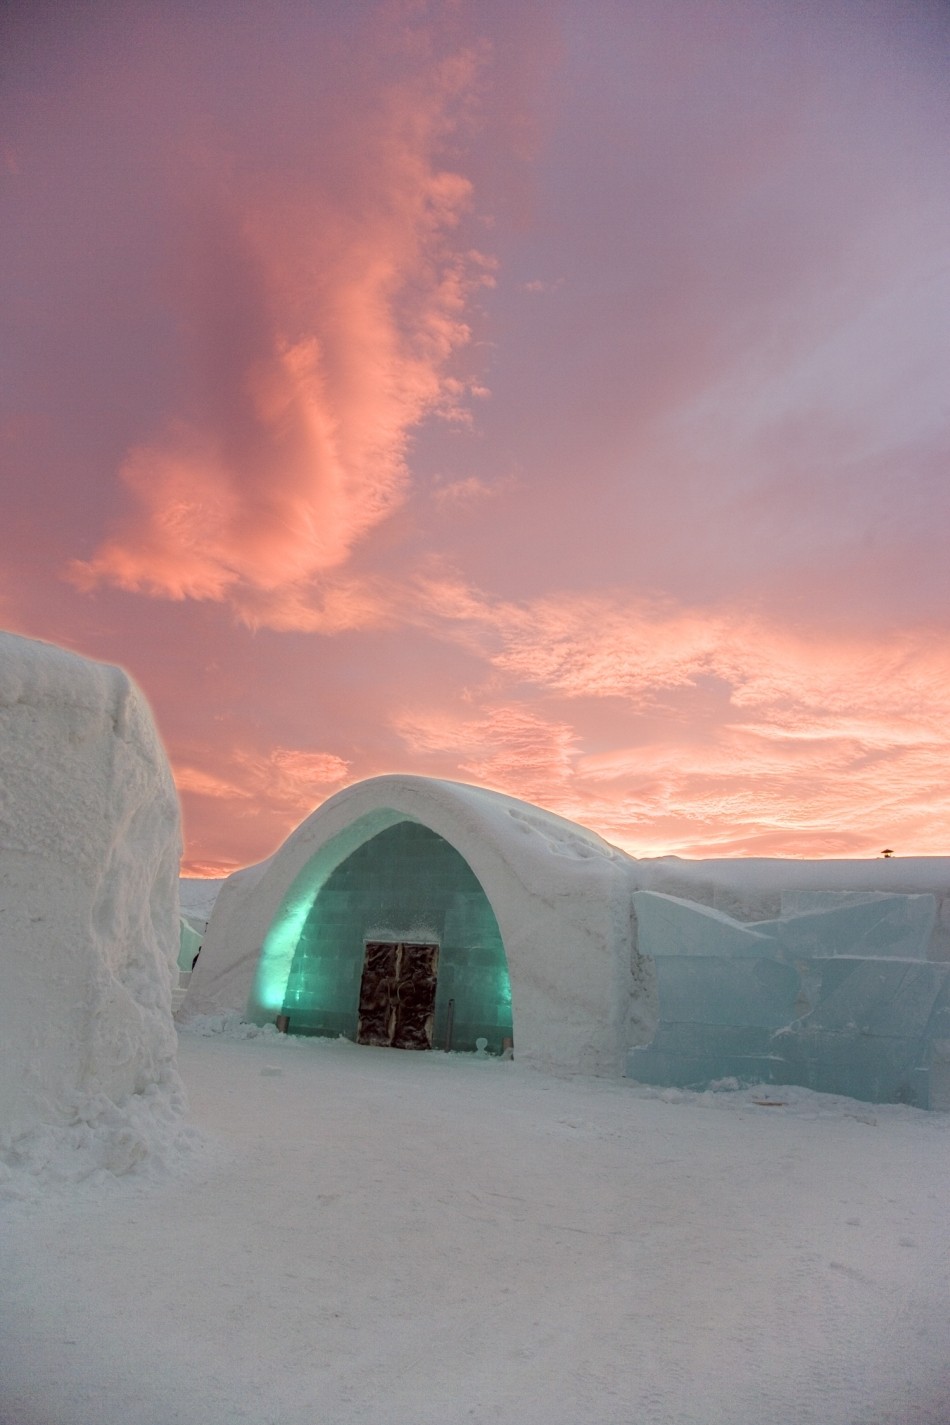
(552, 396)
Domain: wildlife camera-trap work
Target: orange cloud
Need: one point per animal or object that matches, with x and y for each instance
(878, 685)
(322, 318)
(293, 776)
(668, 731)
(510, 748)
(205, 784)
(259, 795)
(281, 776)
(738, 793)
(724, 731)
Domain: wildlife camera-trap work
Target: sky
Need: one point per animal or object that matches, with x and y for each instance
(547, 394)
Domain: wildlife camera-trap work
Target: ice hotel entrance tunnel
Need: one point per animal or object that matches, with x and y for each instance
(518, 901)
(387, 937)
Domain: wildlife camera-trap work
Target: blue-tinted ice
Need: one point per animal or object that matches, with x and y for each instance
(837, 994)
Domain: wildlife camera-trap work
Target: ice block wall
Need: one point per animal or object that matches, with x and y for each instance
(837, 994)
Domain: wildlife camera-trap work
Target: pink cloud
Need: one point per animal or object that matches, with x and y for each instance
(511, 748)
(198, 783)
(263, 792)
(321, 323)
(802, 683)
(459, 493)
(749, 736)
(331, 605)
(278, 776)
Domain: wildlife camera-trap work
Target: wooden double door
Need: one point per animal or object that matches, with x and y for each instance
(397, 994)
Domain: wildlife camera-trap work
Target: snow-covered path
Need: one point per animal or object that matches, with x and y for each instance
(407, 1239)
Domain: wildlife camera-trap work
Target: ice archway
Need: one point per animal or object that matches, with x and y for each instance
(403, 885)
(497, 883)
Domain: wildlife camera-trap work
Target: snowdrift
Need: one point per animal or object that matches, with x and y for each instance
(89, 851)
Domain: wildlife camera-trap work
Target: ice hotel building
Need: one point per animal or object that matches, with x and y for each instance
(423, 914)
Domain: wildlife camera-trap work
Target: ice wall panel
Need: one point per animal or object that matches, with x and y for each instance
(717, 990)
(669, 926)
(837, 996)
(885, 926)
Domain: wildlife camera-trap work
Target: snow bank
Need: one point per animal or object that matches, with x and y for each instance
(198, 895)
(222, 978)
(89, 849)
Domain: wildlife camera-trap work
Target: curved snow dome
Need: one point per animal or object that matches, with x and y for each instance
(429, 914)
(89, 851)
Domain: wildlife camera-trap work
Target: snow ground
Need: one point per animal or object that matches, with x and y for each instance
(368, 1235)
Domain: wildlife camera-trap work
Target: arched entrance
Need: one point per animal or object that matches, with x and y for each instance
(402, 917)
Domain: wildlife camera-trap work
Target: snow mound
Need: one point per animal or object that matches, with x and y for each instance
(89, 849)
(231, 1026)
(198, 896)
(141, 1142)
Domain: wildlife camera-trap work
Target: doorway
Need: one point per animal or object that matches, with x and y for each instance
(397, 994)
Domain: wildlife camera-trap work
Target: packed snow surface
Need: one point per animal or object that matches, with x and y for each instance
(89, 849)
(369, 1235)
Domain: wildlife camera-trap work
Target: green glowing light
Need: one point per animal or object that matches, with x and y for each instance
(402, 882)
(277, 955)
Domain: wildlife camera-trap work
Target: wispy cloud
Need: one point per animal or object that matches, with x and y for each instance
(747, 735)
(793, 681)
(283, 777)
(321, 320)
(511, 748)
(261, 792)
(466, 491)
